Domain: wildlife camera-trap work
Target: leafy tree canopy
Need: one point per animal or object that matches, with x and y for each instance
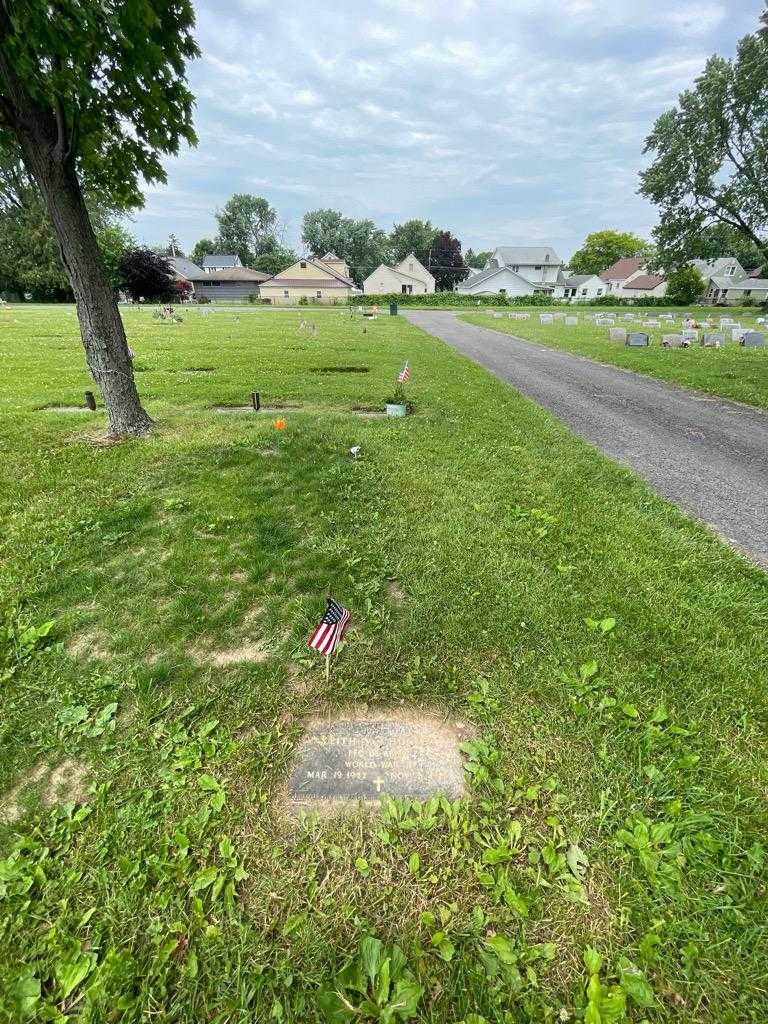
(29, 251)
(246, 227)
(112, 75)
(146, 275)
(477, 259)
(445, 262)
(714, 241)
(710, 151)
(602, 249)
(685, 285)
(363, 245)
(274, 259)
(205, 247)
(413, 236)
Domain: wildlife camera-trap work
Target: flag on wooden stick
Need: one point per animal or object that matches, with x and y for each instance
(404, 374)
(331, 628)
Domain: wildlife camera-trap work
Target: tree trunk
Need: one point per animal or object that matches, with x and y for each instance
(101, 325)
(48, 148)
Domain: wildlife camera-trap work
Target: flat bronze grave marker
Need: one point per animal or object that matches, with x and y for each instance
(353, 758)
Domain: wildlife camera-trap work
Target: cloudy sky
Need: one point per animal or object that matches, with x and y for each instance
(505, 122)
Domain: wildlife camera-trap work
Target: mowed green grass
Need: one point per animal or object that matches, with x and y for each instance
(733, 372)
(610, 653)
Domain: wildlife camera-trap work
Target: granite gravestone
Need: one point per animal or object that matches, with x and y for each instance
(350, 759)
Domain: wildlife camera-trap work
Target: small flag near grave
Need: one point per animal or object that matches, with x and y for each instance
(404, 374)
(330, 631)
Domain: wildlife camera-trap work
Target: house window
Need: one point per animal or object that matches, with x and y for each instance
(404, 289)
(410, 266)
(213, 284)
(319, 295)
(502, 291)
(729, 271)
(285, 293)
(748, 291)
(583, 291)
(537, 268)
(516, 267)
(599, 291)
(303, 264)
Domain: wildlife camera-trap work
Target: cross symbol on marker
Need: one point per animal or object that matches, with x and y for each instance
(378, 783)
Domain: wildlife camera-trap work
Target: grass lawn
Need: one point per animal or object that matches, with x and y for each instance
(733, 372)
(609, 860)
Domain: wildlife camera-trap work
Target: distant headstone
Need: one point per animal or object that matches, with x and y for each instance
(737, 334)
(546, 318)
(690, 335)
(350, 759)
(637, 340)
(673, 341)
(713, 339)
(617, 333)
(753, 339)
(571, 321)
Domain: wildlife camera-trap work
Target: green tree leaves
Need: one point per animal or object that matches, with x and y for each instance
(711, 154)
(602, 249)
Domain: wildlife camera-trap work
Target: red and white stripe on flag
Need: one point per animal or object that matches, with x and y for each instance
(404, 374)
(331, 628)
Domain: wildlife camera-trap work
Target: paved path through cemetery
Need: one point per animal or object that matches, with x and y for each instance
(706, 454)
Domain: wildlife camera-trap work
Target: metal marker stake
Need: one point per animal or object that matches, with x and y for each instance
(256, 400)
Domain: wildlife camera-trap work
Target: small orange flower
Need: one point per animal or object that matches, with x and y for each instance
(279, 424)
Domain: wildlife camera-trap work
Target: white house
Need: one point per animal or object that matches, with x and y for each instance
(220, 261)
(518, 270)
(582, 287)
(408, 277)
(645, 285)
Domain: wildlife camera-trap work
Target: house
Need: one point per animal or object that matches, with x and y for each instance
(312, 279)
(727, 291)
(407, 277)
(233, 284)
(726, 266)
(220, 261)
(645, 286)
(518, 270)
(582, 287)
(619, 273)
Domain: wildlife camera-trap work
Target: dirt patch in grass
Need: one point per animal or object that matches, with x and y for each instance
(64, 783)
(91, 644)
(250, 650)
(238, 576)
(197, 369)
(67, 408)
(396, 593)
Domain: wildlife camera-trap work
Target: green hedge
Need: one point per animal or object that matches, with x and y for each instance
(452, 299)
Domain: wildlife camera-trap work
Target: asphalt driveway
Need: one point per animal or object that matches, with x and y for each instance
(706, 454)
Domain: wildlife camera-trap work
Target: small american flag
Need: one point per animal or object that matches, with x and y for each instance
(331, 628)
(404, 374)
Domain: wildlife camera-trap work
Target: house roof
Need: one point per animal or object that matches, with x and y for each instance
(525, 255)
(716, 267)
(217, 259)
(184, 268)
(576, 279)
(622, 269)
(304, 282)
(396, 272)
(412, 256)
(318, 264)
(330, 257)
(743, 284)
(486, 275)
(646, 282)
(755, 272)
(231, 274)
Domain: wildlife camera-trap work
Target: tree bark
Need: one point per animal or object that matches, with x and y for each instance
(101, 325)
(48, 147)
